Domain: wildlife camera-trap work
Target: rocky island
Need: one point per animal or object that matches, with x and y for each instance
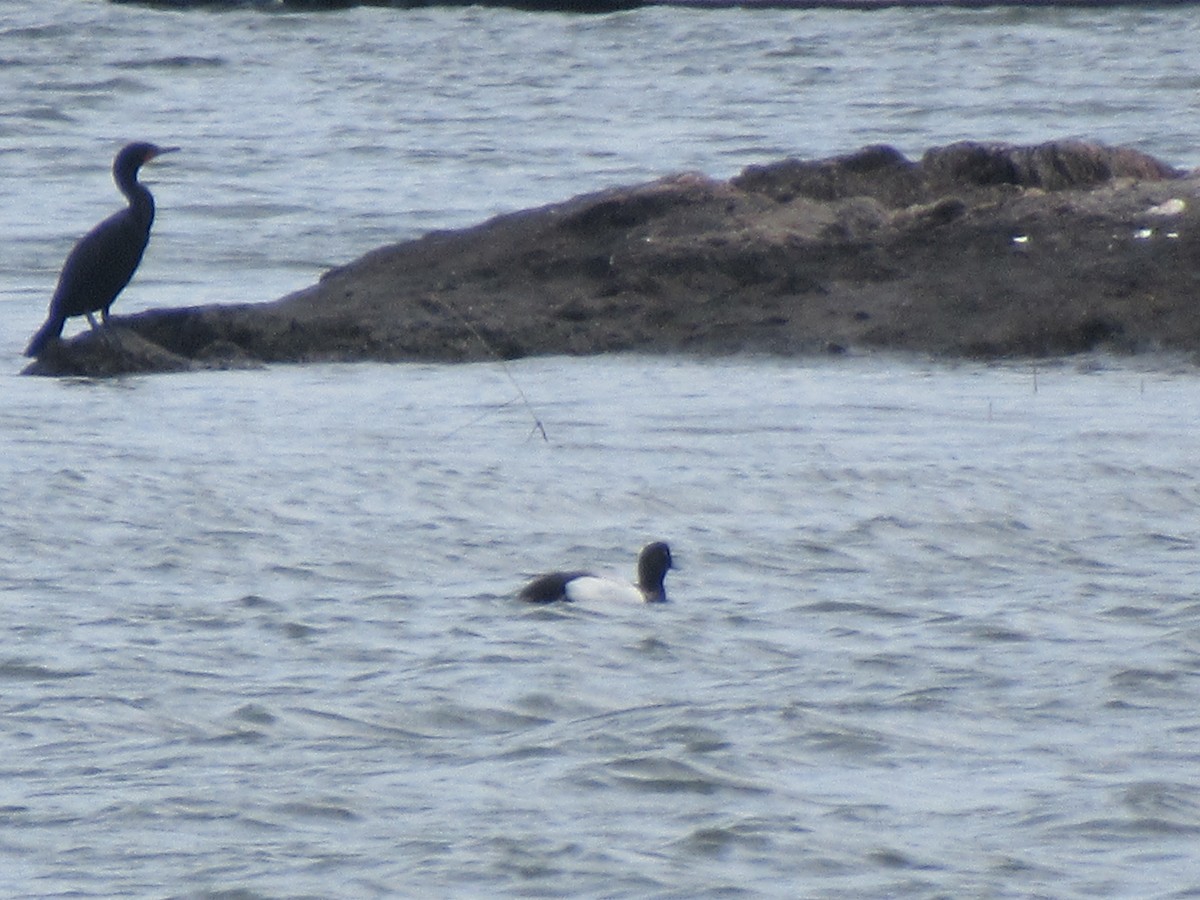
(975, 250)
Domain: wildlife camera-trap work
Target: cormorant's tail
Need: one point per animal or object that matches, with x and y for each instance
(47, 333)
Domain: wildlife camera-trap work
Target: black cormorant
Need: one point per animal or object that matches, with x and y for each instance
(104, 260)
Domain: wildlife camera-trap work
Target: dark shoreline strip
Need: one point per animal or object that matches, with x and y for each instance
(595, 7)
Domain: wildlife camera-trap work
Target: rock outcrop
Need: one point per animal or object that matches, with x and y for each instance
(975, 250)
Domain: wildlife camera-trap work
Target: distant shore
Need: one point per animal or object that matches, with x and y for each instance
(609, 6)
(976, 250)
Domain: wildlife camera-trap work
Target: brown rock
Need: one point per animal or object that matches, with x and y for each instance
(977, 250)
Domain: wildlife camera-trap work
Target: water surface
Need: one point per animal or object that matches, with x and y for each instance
(933, 632)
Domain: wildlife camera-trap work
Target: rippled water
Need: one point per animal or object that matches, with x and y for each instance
(934, 632)
(935, 629)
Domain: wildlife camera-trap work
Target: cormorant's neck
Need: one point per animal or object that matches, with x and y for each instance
(141, 202)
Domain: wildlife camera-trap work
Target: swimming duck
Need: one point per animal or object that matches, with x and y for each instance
(653, 563)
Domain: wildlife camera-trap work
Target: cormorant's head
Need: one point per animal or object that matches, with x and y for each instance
(133, 156)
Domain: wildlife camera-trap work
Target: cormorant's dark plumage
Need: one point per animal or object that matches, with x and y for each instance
(104, 260)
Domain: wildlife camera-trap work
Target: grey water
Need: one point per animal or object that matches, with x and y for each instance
(935, 628)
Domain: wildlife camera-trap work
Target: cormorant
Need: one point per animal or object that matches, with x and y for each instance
(104, 260)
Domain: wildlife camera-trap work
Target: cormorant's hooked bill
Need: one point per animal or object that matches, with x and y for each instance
(104, 260)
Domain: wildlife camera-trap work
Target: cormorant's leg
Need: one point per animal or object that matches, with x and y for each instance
(107, 335)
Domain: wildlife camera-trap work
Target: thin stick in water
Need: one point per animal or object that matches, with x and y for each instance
(537, 423)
